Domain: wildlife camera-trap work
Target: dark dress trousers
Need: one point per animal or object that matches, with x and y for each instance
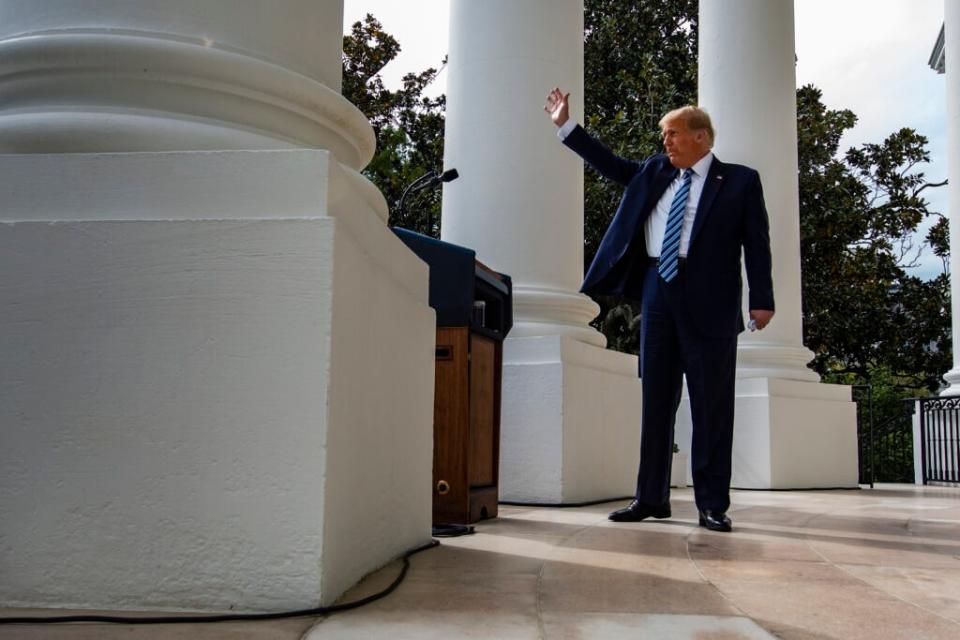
(690, 325)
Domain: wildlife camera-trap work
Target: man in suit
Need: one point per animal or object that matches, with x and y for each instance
(675, 245)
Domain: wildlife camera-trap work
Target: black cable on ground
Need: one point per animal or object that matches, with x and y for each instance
(564, 505)
(572, 505)
(857, 488)
(452, 530)
(228, 617)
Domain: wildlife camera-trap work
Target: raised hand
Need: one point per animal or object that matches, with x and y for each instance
(557, 106)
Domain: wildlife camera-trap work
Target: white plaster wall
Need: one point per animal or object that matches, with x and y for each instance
(380, 467)
(208, 413)
(164, 415)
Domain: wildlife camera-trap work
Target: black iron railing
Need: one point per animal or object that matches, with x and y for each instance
(885, 441)
(863, 396)
(893, 445)
(940, 439)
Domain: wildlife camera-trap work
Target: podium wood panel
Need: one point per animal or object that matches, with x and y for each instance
(451, 416)
(466, 426)
(481, 411)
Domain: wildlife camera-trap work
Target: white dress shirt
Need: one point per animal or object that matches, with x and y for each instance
(567, 127)
(657, 221)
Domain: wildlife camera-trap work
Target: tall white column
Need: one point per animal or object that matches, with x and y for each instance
(951, 33)
(791, 432)
(198, 390)
(570, 408)
(747, 82)
(519, 201)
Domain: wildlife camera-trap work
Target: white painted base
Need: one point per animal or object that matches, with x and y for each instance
(570, 422)
(679, 470)
(917, 448)
(201, 413)
(788, 435)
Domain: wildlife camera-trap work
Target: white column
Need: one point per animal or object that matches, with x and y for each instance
(117, 75)
(791, 432)
(747, 82)
(519, 201)
(951, 33)
(570, 423)
(199, 392)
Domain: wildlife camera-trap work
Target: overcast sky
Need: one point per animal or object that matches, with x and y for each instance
(869, 56)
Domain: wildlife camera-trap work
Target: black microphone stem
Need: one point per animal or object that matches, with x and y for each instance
(426, 181)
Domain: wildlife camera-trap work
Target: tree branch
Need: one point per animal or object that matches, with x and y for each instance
(930, 184)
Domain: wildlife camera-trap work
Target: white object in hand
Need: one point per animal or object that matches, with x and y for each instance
(752, 325)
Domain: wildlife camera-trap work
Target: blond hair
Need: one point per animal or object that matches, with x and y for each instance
(695, 118)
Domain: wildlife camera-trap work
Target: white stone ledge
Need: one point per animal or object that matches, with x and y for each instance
(296, 184)
(557, 348)
(782, 388)
(197, 185)
(232, 185)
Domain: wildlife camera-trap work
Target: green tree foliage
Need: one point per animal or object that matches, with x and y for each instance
(408, 125)
(865, 318)
(859, 214)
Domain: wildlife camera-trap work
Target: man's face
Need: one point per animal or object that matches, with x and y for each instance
(683, 146)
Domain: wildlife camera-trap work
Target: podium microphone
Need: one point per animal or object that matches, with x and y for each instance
(433, 179)
(427, 181)
(448, 176)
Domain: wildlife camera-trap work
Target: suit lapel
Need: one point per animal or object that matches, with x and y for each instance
(710, 189)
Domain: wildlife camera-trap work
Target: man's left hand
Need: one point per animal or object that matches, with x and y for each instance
(761, 317)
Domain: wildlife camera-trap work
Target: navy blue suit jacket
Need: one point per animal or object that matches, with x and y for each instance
(730, 215)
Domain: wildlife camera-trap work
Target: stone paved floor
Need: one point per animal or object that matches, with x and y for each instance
(881, 563)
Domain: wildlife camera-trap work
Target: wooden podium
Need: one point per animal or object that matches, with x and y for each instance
(474, 315)
(466, 426)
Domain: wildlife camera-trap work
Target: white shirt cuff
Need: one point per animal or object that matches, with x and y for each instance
(567, 127)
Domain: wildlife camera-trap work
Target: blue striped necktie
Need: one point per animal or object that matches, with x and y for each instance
(670, 249)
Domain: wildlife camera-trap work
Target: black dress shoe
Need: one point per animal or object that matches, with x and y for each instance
(636, 511)
(715, 520)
